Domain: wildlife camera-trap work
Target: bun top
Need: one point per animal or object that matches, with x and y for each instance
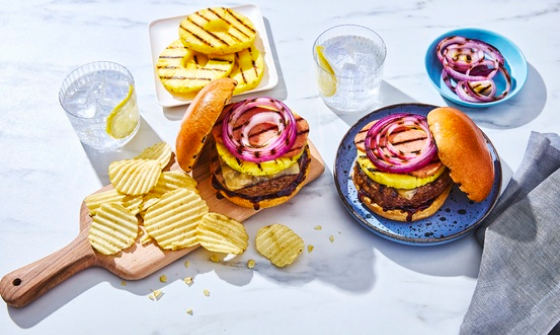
(203, 112)
(462, 148)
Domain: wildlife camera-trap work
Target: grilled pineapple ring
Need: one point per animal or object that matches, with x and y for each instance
(217, 30)
(183, 70)
(248, 69)
(266, 168)
(396, 180)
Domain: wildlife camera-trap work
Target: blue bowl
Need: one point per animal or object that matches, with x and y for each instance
(516, 64)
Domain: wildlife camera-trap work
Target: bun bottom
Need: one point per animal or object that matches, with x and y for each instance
(404, 216)
(261, 200)
(266, 203)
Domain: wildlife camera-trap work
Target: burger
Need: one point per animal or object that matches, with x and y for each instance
(407, 163)
(260, 155)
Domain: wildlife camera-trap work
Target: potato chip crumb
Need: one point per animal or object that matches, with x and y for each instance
(214, 258)
(123, 283)
(188, 280)
(187, 263)
(310, 248)
(206, 292)
(251, 264)
(190, 311)
(155, 295)
(331, 238)
(163, 278)
(318, 227)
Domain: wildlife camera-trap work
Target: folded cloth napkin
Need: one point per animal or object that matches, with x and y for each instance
(518, 289)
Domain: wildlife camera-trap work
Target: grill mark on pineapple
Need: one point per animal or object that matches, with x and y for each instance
(194, 35)
(184, 78)
(167, 67)
(253, 62)
(171, 57)
(228, 22)
(212, 69)
(207, 32)
(241, 23)
(220, 60)
(173, 46)
(245, 82)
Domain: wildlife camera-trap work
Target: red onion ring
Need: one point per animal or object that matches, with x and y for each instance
(276, 113)
(385, 156)
(463, 58)
(467, 76)
(467, 61)
(463, 93)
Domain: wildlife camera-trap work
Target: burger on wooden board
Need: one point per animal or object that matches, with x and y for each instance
(260, 153)
(407, 163)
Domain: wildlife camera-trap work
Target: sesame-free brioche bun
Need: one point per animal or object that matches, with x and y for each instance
(200, 117)
(463, 149)
(404, 216)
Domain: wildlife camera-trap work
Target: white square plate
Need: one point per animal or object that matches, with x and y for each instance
(165, 31)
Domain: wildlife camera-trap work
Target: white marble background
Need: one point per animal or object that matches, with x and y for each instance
(358, 284)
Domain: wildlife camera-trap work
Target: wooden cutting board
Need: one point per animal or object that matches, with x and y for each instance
(24, 285)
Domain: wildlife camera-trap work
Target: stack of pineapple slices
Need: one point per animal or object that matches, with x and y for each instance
(213, 43)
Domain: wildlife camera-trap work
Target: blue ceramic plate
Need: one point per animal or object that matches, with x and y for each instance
(515, 64)
(453, 220)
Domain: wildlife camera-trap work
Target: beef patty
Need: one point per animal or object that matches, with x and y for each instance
(271, 188)
(390, 198)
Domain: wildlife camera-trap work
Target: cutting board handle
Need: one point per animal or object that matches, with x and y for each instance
(24, 285)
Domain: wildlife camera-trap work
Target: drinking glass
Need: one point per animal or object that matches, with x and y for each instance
(349, 67)
(100, 100)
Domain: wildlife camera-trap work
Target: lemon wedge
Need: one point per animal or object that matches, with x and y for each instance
(326, 78)
(123, 119)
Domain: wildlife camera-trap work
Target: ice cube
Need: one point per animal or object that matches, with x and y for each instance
(340, 53)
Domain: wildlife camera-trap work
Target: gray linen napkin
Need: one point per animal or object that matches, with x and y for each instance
(518, 289)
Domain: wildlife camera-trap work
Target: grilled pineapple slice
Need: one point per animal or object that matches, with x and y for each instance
(396, 180)
(217, 30)
(183, 70)
(256, 169)
(248, 69)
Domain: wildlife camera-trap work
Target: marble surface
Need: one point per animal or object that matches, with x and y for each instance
(359, 283)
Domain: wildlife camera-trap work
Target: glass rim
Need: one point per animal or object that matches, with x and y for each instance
(315, 44)
(70, 78)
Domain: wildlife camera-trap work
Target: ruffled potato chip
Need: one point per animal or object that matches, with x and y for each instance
(172, 221)
(94, 201)
(134, 176)
(172, 180)
(160, 152)
(114, 228)
(219, 233)
(279, 244)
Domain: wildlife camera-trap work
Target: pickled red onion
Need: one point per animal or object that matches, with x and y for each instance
(383, 153)
(275, 113)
